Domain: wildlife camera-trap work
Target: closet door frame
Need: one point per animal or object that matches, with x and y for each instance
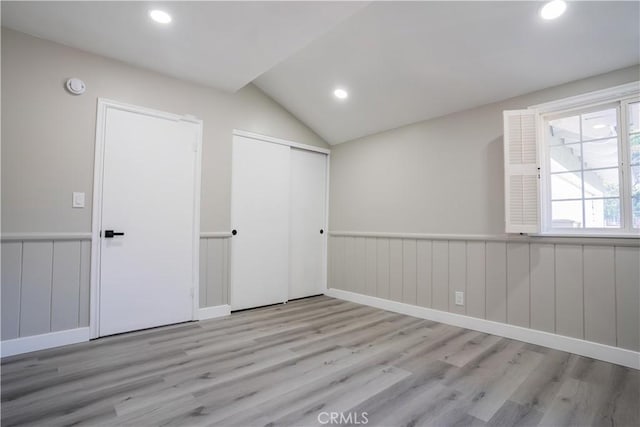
(325, 239)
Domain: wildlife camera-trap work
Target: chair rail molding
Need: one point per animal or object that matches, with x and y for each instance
(40, 236)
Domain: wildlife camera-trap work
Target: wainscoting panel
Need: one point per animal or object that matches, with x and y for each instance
(11, 280)
(65, 311)
(45, 282)
(383, 268)
(457, 274)
(440, 268)
(583, 290)
(85, 282)
(543, 287)
(570, 291)
(35, 293)
(476, 275)
(425, 273)
(370, 261)
(214, 271)
(360, 265)
(518, 284)
(409, 272)
(599, 301)
(627, 261)
(45, 286)
(395, 270)
(496, 281)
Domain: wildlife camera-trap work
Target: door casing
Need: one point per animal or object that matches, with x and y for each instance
(94, 294)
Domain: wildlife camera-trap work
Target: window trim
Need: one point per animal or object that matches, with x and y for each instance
(618, 96)
(596, 97)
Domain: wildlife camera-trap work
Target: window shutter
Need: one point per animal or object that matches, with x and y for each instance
(521, 173)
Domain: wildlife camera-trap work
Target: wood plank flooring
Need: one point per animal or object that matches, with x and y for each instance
(286, 365)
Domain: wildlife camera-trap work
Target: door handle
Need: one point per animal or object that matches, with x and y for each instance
(108, 234)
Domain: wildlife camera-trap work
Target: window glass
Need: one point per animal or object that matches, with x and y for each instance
(634, 141)
(584, 161)
(635, 196)
(634, 157)
(564, 131)
(599, 124)
(566, 214)
(566, 186)
(566, 158)
(591, 180)
(634, 117)
(601, 183)
(600, 154)
(602, 213)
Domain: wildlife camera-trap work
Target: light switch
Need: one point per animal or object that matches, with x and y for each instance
(78, 200)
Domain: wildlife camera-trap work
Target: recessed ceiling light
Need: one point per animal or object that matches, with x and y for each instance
(599, 126)
(160, 16)
(553, 9)
(340, 93)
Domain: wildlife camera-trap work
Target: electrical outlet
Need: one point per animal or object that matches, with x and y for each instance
(459, 298)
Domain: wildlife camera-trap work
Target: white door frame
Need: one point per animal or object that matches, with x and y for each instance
(325, 250)
(94, 292)
(307, 147)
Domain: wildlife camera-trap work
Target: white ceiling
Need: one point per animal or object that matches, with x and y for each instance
(402, 62)
(406, 62)
(221, 44)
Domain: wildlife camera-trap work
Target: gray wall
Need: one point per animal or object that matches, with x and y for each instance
(445, 177)
(45, 283)
(214, 271)
(589, 291)
(48, 135)
(45, 286)
(438, 176)
(48, 139)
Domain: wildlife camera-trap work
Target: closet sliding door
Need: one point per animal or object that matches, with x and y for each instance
(260, 190)
(308, 217)
(278, 216)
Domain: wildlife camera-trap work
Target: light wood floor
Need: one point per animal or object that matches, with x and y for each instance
(286, 364)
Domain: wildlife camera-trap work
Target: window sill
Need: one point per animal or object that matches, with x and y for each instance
(588, 235)
(587, 239)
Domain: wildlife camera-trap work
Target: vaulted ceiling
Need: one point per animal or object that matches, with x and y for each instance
(401, 62)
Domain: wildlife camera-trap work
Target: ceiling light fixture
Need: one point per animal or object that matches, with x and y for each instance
(599, 126)
(340, 93)
(160, 16)
(553, 9)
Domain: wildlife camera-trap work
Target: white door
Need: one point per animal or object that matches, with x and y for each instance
(308, 213)
(146, 276)
(260, 217)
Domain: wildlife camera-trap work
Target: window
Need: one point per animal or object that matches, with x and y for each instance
(584, 176)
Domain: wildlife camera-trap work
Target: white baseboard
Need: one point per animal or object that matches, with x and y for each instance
(619, 356)
(73, 336)
(43, 341)
(213, 312)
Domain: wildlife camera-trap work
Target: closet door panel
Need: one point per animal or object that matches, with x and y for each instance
(260, 208)
(308, 202)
